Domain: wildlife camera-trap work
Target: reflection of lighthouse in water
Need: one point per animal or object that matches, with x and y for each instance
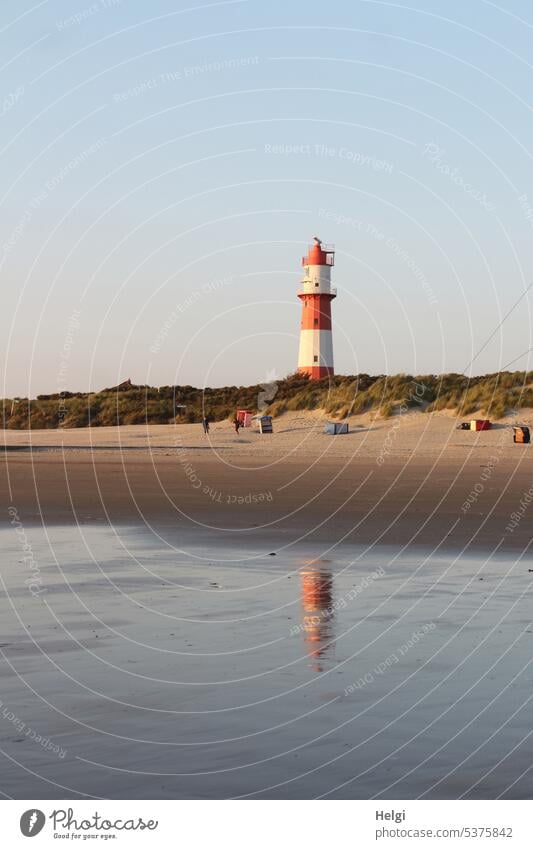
(317, 624)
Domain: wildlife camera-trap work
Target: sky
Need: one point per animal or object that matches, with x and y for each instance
(164, 166)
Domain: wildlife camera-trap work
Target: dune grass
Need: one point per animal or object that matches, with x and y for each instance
(493, 395)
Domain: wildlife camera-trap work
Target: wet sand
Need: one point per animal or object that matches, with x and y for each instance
(411, 480)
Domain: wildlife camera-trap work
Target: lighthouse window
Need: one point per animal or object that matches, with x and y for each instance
(317, 285)
(315, 359)
(315, 321)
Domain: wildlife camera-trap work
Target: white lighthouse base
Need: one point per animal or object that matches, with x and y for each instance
(316, 352)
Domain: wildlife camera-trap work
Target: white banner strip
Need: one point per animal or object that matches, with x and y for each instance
(267, 824)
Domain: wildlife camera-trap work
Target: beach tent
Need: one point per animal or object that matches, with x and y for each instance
(521, 434)
(480, 424)
(265, 423)
(336, 427)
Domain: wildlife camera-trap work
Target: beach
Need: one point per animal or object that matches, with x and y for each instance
(291, 615)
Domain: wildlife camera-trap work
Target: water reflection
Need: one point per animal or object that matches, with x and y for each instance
(317, 623)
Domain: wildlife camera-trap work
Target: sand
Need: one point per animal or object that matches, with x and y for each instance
(287, 616)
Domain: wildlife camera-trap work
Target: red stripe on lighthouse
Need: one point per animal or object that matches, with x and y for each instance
(316, 372)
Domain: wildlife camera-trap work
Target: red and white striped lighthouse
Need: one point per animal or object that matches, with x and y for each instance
(316, 346)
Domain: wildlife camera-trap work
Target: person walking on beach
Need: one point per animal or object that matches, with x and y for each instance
(205, 423)
(236, 424)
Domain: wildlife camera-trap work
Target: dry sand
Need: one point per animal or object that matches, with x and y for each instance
(150, 646)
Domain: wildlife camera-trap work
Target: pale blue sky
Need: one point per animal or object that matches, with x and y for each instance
(163, 169)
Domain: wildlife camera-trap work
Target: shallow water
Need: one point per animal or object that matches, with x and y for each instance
(133, 667)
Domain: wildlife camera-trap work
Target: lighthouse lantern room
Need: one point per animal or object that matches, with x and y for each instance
(316, 346)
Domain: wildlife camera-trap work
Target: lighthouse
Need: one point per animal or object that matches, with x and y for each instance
(315, 357)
